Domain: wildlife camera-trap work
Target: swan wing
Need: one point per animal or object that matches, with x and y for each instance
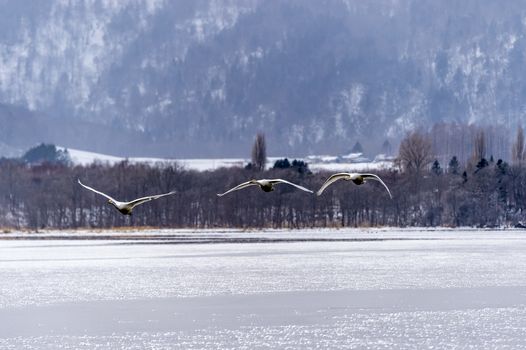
(277, 181)
(332, 179)
(94, 190)
(239, 187)
(377, 178)
(141, 200)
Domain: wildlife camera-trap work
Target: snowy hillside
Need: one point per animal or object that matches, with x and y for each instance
(191, 79)
(79, 157)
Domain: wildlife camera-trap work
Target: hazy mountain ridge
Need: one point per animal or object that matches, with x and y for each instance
(200, 78)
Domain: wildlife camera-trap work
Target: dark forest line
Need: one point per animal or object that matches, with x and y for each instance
(490, 193)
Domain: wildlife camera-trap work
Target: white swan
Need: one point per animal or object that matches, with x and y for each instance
(266, 185)
(126, 207)
(358, 179)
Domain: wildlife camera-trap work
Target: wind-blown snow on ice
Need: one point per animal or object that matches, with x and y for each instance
(377, 289)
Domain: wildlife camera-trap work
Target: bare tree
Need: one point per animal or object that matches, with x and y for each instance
(517, 152)
(259, 152)
(386, 148)
(47, 195)
(415, 152)
(479, 146)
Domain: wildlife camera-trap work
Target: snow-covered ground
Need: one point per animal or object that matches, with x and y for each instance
(185, 289)
(84, 158)
(349, 167)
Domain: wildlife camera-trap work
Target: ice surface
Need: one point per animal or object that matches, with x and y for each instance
(379, 289)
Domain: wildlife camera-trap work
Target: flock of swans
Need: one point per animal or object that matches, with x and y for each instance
(267, 185)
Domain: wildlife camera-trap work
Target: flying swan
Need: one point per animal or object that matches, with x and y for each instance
(126, 207)
(358, 179)
(266, 185)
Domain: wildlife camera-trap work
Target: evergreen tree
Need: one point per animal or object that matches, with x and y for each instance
(435, 168)
(282, 164)
(454, 166)
(46, 153)
(298, 165)
(501, 167)
(481, 164)
(357, 148)
(301, 166)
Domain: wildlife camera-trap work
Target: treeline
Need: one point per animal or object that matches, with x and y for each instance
(487, 194)
(454, 139)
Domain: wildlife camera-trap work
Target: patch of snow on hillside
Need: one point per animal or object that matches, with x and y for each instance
(79, 157)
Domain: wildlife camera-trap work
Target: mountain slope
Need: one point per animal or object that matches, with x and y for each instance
(200, 78)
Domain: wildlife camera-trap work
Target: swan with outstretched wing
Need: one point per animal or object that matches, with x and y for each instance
(357, 178)
(126, 207)
(267, 185)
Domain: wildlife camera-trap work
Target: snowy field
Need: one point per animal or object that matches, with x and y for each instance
(181, 289)
(85, 158)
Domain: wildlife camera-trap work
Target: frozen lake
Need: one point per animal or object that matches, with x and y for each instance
(180, 289)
